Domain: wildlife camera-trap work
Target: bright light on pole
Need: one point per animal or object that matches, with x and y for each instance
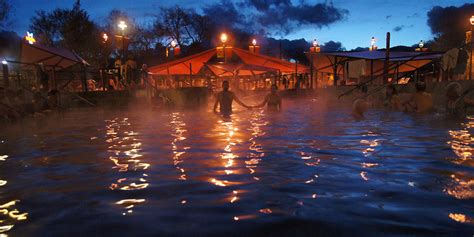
(372, 44)
(315, 43)
(421, 44)
(122, 25)
(223, 38)
(4, 62)
(173, 43)
(254, 42)
(472, 46)
(105, 37)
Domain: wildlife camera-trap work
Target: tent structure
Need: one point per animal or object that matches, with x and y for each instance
(55, 58)
(369, 63)
(251, 64)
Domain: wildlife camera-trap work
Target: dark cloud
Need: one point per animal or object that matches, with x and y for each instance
(287, 18)
(398, 28)
(279, 17)
(332, 46)
(266, 4)
(388, 17)
(225, 14)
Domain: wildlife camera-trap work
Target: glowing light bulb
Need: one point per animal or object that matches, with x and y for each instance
(223, 38)
(173, 43)
(122, 25)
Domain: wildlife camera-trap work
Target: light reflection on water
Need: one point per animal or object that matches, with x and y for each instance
(190, 172)
(462, 183)
(124, 148)
(9, 214)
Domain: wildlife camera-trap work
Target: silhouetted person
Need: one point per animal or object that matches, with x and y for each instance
(360, 105)
(224, 99)
(420, 101)
(272, 100)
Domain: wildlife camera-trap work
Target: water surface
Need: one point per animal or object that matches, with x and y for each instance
(311, 170)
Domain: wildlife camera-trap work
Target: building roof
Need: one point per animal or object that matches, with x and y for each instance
(51, 57)
(197, 61)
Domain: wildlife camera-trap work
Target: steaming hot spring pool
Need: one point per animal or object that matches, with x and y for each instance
(311, 170)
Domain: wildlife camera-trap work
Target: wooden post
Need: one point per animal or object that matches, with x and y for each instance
(311, 71)
(371, 70)
(84, 78)
(335, 71)
(387, 59)
(191, 74)
(5, 75)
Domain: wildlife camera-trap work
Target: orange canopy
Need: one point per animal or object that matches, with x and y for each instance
(184, 66)
(270, 62)
(252, 64)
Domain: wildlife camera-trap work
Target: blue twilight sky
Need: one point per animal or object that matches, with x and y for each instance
(366, 18)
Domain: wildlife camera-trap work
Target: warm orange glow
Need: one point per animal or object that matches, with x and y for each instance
(105, 37)
(122, 25)
(254, 42)
(224, 38)
(472, 20)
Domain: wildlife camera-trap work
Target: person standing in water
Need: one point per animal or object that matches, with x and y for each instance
(392, 100)
(456, 103)
(225, 98)
(420, 101)
(360, 105)
(272, 100)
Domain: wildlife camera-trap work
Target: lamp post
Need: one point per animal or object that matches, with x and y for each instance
(5, 73)
(313, 50)
(254, 48)
(472, 45)
(224, 40)
(373, 47)
(421, 44)
(122, 25)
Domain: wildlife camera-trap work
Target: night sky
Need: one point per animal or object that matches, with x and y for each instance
(406, 20)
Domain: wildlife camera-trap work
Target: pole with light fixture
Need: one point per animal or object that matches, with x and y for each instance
(5, 73)
(224, 40)
(373, 47)
(122, 25)
(472, 45)
(254, 48)
(313, 50)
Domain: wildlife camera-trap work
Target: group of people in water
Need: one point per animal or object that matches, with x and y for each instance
(225, 98)
(15, 105)
(420, 101)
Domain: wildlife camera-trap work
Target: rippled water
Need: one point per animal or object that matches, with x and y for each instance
(310, 170)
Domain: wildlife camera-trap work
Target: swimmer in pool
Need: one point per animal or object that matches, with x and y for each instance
(420, 101)
(392, 100)
(456, 103)
(360, 105)
(272, 100)
(225, 98)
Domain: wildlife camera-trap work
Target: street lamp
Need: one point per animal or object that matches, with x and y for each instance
(315, 48)
(173, 46)
(472, 45)
(373, 47)
(254, 48)
(105, 37)
(122, 25)
(5, 73)
(421, 44)
(224, 39)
